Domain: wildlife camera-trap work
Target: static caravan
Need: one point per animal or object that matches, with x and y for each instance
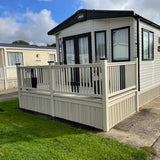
(119, 36)
(27, 55)
(108, 67)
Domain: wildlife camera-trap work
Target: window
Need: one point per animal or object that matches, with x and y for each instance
(100, 40)
(121, 44)
(14, 57)
(148, 45)
(52, 57)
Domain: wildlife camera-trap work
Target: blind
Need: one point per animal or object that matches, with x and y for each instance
(120, 44)
(15, 57)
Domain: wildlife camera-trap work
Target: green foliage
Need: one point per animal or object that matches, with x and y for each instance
(24, 136)
(51, 45)
(20, 42)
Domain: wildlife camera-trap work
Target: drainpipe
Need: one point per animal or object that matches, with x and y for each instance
(138, 53)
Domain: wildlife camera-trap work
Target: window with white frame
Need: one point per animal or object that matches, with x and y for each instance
(148, 45)
(15, 57)
(52, 57)
(121, 44)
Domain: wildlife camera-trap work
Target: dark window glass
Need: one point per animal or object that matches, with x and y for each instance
(100, 45)
(148, 45)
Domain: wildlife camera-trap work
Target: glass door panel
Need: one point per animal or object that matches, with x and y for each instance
(70, 56)
(83, 50)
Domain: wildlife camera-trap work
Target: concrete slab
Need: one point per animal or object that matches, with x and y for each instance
(141, 129)
(8, 96)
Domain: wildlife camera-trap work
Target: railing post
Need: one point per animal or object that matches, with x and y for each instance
(18, 83)
(137, 95)
(105, 94)
(50, 73)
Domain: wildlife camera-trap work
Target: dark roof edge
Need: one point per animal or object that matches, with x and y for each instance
(98, 14)
(5, 45)
(90, 14)
(147, 21)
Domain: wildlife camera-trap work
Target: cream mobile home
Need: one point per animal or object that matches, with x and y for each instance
(108, 67)
(27, 55)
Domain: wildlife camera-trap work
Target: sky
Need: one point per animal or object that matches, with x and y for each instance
(30, 20)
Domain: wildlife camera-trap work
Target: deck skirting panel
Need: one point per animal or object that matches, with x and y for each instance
(147, 95)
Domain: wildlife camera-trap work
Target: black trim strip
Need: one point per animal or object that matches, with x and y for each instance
(122, 77)
(138, 54)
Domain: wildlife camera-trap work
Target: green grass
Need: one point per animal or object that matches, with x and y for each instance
(28, 137)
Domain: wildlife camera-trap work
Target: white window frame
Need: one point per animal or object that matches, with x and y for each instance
(6, 58)
(54, 56)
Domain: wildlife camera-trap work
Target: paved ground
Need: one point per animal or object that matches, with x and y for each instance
(8, 95)
(141, 129)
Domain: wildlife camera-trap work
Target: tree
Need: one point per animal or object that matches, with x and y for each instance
(20, 42)
(51, 45)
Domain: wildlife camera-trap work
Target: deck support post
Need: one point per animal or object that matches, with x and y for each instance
(19, 83)
(105, 94)
(137, 95)
(51, 86)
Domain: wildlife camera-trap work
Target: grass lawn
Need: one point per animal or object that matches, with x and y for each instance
(28, 137)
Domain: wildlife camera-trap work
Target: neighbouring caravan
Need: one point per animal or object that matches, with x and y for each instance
(27, 55)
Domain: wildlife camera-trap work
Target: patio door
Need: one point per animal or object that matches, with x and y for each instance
(77, 50)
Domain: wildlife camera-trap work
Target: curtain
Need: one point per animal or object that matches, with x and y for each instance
(70, 52)
(14, 57)
(84, 58)
(100, 45)
(120, 44)
(83, 50)
(52, 57)
(145, 45)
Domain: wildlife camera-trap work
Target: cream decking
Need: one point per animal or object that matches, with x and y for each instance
(99, 95)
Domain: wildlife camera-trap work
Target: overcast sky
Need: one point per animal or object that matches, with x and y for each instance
(30, 20)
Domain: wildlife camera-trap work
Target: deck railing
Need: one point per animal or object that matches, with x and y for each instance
(34, 77)
(121, 77)
(78, 79)
(87, 79)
